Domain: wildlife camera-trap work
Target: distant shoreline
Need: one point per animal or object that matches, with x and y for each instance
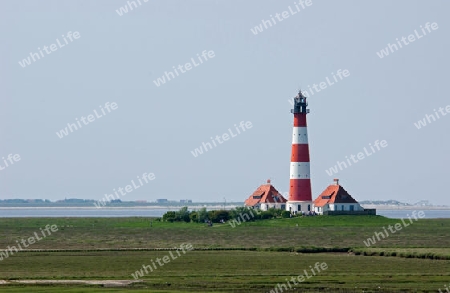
(122, 207)
(392, 207)
(209, 207)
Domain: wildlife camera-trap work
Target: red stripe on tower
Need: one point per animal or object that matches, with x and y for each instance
(300, 196)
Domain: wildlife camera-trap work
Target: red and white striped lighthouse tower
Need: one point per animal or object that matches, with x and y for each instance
(300, 198)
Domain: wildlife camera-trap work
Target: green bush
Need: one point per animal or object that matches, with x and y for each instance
(217, 216)
(285, 214)
(266, 215)
(169, 216)
(236, 212)
(276, 212)
(202, 215)
(183, 215)
(193, 216)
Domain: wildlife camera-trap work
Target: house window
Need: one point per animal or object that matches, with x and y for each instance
(351, 208)
(309, 207)
(299, 207)
(342, 207)
(283, 206)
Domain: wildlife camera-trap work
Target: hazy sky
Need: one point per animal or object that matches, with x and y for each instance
(250, 78)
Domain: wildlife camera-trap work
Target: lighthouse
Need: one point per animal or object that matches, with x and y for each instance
(300, 198)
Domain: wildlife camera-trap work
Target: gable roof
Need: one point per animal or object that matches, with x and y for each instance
(333, 194)
(266, 193)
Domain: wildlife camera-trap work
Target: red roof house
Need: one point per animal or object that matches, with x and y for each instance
(336, 198)
(265, 197)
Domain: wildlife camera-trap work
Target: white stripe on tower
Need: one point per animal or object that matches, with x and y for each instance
(300, 135)
(299, 170)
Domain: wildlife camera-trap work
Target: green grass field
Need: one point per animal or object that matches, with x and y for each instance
(343, 231)
(264, 257)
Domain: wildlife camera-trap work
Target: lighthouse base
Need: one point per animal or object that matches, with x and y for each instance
(296, 207)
